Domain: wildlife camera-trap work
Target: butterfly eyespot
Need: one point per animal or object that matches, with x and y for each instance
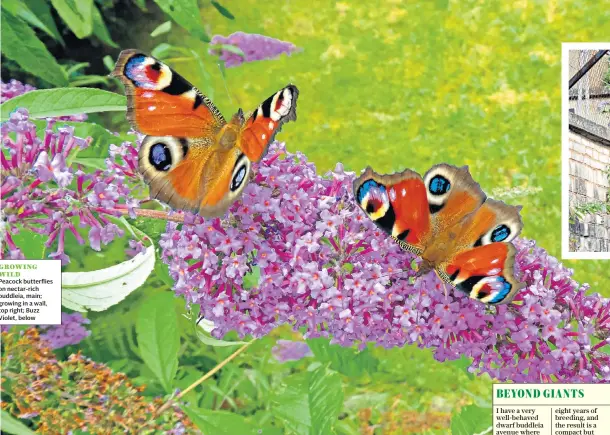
(135, 62)
(372, 206)
(500, 233)
(238, 178)
(147, 73)
(496, 286)
(373, 198)
(504, 233)
(240, 172)
(366, 187)
(160, 157)
(439, 185)
(502, 289)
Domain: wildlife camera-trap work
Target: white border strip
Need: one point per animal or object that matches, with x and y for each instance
(565, 151)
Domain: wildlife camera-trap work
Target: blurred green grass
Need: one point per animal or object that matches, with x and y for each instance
(400, 84)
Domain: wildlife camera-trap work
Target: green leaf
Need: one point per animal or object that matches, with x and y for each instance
(141, 4)
(77, 67)
(463, 364)
(64, 101)
(77, 14)
(251, 279)
(21, 9)
(91, 162)
(13, 426)
(471, 419)
(223, 11)
(206, 338)
(162, 271)
(42, 10)
(162, 50)
(20, 43)
(102, 139)
(89, 79)
(31, 244)
(347, 361)
(220, 422)
(309, 403)
(228, 47)
(158, 337)
(161, 29)
(186, 14)
(99, 28)
(194, 311)
(325, 399)
(108, 63)
(100, 289)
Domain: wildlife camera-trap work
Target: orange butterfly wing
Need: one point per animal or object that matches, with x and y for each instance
(486, 273)
(267, 120)
(397, 204)
(452, 195)
(190, 174)
(481, 259)
(161, 102)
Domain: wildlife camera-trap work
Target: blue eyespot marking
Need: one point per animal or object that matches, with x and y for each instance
(500, 233)
(499, 297)
(160, 157)
(130, 68)
(366, 186)
(439, 185)
(238, 178)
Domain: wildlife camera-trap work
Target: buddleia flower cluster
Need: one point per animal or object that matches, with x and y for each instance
(286, 350)
(43, 193)
(297, 250)
(71, 331)
(254, 47)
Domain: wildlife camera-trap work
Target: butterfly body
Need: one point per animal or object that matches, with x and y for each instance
(447, 220)
(191, 157)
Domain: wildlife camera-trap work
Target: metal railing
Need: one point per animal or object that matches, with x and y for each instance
(589, 94)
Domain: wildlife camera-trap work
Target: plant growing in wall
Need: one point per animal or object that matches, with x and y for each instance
(578, 212)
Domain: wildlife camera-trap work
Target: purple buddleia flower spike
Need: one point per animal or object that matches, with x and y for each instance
(323, 267)
(286, 350)
(71, 331)
(254, 47)
(43, 194)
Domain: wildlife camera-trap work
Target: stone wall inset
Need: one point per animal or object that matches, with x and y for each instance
(589, 161)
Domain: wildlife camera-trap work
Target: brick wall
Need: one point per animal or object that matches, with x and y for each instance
(589, 160)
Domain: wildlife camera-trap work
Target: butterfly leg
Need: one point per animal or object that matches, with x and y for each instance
(424, 268)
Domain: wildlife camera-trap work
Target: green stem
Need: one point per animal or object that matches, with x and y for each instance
(155, 214)
(203, 378)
